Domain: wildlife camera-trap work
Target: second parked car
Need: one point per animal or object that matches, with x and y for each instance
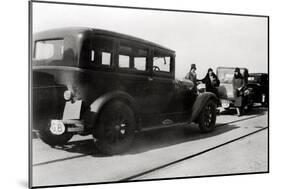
(226, 93)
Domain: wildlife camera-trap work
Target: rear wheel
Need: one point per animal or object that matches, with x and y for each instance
(116, 128)
(207, 117)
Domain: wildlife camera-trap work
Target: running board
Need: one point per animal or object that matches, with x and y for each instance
(165, 126)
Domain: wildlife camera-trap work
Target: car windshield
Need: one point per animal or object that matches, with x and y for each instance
(49, 49)
(225, 75)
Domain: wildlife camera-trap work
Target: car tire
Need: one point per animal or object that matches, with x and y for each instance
(116, 128)
(207, 117)
(53, 140)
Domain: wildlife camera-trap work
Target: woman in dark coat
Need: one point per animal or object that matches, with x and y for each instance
(212, 82)
(238, 83)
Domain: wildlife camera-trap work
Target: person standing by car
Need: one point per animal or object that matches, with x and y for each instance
(191, 75)
(212, 82)
(238, 83)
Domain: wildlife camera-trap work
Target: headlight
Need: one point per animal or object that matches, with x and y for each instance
(67, 95)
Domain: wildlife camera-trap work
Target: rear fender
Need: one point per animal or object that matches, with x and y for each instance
(97, 106)
(200, 102)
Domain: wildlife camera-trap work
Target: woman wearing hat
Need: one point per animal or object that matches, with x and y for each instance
(238, 83)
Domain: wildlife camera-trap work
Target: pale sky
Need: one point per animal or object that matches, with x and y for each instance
(207, 40)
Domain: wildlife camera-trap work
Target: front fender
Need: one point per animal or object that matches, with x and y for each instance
(200, 102)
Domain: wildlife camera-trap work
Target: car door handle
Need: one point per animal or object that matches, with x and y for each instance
(150, 79)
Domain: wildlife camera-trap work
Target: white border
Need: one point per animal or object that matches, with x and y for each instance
(14, 90)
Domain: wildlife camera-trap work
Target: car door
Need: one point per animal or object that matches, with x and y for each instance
(134, 74)
(163, 87)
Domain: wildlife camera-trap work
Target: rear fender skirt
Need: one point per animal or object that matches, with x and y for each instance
(200, 102)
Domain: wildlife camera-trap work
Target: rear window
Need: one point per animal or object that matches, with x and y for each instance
(49, 49)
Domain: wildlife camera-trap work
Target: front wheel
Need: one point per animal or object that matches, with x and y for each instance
(116, 128)
(207, 117)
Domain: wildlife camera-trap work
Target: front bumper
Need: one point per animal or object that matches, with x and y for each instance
(74, 118)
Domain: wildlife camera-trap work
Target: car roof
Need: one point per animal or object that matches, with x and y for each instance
(74, 31)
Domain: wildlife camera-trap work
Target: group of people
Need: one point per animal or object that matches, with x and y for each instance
(210, 80)
(212, 83)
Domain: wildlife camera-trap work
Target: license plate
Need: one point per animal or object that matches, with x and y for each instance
(72, 110)
(225, 103)
(57, 127)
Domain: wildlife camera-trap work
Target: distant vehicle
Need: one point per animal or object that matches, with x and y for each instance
(111, 85)
(225, 75)
(260, 84)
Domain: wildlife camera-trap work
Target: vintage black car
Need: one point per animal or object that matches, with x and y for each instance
(260, 85)
(111, 85)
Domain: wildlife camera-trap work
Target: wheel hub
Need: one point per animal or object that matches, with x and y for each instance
(120, 128)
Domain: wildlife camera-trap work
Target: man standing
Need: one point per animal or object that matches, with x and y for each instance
(191, 75)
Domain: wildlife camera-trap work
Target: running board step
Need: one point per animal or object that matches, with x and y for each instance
(165, 126)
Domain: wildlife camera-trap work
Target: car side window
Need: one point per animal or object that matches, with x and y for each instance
(124, 61)
(124, 56)
(140, 59)
(101, 53)
(162, 64)
(92, 55)
(133, 57)
(105, 58)
(140, 63)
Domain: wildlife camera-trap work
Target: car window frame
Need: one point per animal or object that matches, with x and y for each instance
(48, 39)
(133, 45)
(170, 74)
(99, 51)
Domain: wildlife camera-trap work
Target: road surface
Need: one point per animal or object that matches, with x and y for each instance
(238, 145)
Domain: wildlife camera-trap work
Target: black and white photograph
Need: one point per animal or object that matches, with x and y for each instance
(126, 94)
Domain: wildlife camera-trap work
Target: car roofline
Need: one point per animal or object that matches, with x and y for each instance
(73, 31)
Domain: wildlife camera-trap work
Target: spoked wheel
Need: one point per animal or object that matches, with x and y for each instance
(116, 128)
(207, 117)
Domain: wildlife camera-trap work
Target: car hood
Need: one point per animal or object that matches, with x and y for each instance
(184, 83)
